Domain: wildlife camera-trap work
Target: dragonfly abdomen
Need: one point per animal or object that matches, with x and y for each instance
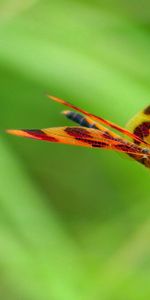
(79, 119)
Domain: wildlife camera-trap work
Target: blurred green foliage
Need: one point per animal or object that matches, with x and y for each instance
(74, 223)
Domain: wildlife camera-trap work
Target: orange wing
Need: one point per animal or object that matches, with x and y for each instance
(80, 136)
(101, 120)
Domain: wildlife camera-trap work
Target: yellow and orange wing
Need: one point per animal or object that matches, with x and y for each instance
(80, 136)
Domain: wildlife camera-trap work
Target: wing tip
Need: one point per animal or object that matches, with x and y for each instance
(55, 98)
(17, 132)
(12, 131)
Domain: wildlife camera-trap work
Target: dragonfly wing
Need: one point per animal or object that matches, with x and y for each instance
(99, 119)
(79, 136)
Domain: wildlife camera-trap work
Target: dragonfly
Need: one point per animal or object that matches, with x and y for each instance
(95, 132)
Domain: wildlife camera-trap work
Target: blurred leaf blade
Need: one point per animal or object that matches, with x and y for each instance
(74, 222)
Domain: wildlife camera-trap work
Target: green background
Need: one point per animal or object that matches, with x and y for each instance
(74, 222)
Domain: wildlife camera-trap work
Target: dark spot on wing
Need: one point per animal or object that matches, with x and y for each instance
(94, 144)
(142, 130)
(34, 131)
(77, 132)
(99, 145)
(39, 134)
(128, 148)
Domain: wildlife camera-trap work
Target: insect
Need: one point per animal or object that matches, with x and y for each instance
(93, 132)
